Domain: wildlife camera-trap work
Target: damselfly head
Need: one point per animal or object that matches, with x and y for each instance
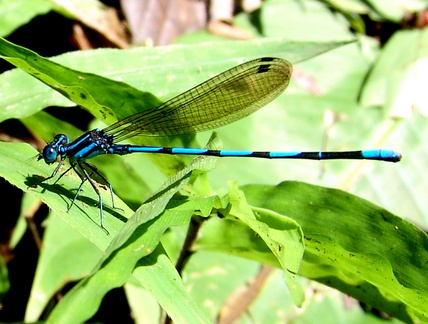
(50, 154)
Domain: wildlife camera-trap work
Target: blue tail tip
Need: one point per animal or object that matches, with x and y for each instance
(390, 155)
(396, 157)
(383, 155)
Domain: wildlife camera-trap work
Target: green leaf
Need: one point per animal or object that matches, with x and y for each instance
(143, 229)
(82, 88)
(390, 10)
(355, 246)
(398, 77)
(137, 247)
(66, 256)
(155, 72)
(158, 70)
(317, 16)
(256, 234)
(144, 307)
(275, 231)
(19, 12)
(18, 166)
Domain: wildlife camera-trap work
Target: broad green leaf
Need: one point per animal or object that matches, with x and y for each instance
(355, 246)
(316, 14)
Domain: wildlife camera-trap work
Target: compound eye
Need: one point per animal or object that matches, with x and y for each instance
(49, 154)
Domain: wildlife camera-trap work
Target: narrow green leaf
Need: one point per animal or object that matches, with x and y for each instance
(138, 239)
